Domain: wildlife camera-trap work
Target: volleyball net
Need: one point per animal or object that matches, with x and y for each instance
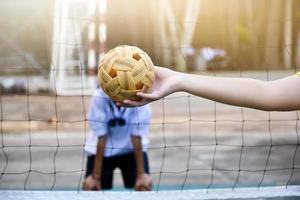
(199, 148)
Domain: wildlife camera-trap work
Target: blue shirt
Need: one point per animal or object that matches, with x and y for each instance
(102, 110)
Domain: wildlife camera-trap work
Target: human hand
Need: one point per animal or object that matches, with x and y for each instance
(91, 184)
(143, 183)
(166, 82)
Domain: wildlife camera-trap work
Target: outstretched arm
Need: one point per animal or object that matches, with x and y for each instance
(93, 182)
(143, 180)
(278, 95)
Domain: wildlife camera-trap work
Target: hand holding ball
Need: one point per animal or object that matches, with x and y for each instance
(124, 71)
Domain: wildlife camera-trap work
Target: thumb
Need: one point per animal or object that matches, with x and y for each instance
(149, 96)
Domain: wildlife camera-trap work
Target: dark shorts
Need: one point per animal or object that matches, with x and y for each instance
(125, 162)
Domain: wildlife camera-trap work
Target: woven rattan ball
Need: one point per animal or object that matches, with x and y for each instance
(124, 71)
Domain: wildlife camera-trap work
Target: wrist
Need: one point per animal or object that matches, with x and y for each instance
(179, 83)
(95, 176)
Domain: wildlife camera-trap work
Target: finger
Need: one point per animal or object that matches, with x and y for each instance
(134, 103)
(98, 187)
(140, 188)
(150, 187)
(87, 188)
(149, 96)
(122, 104)
(131, 103)
(145, 188)
(136, 188)
(83, 186)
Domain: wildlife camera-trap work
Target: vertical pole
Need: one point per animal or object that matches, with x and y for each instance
(189, 25)
(62, 49)
(164, 43)
(55, 49)
(102, 28)
(288, 34)
(174, 36)
(91, 39)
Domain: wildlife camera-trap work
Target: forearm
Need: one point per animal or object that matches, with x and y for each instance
(138, 153)
(234, 91)
(97, 169)
(143, 180)
(278, 95)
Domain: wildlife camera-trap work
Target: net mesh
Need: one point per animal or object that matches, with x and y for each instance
(195, 143)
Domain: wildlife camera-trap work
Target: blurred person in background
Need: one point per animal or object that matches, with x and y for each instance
(118, 139)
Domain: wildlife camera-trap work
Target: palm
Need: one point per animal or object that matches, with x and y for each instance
(162, 86)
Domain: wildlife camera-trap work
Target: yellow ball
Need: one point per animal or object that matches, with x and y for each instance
(124, 71)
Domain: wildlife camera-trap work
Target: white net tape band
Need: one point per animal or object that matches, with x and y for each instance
(239, 193)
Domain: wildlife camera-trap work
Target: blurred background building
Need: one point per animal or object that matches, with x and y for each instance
(62, 41)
